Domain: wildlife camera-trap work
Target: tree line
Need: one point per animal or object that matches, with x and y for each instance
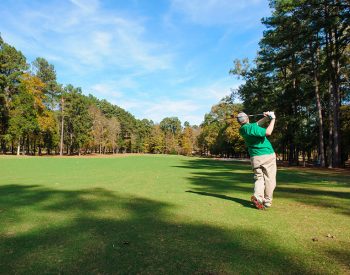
(302, 72)
(38, 115)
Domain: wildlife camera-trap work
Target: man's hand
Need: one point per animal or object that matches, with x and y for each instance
(269, 128)
(271, 115)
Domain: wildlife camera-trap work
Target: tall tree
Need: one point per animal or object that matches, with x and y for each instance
(113, 132)
(25, 109)
(52, 90)
(12, 66)
(171, 127)
(47, 74)
(77, 120)
(187, 140)
(219, 132)
(299, 73)
(156, 141)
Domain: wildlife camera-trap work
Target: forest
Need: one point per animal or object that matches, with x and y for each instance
(301, 72)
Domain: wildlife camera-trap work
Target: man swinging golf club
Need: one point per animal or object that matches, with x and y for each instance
(262, 156)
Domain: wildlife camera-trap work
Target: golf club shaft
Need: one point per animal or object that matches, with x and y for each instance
(256, 115)
(233, 116)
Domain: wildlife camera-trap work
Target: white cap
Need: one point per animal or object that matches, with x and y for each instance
(242, 118)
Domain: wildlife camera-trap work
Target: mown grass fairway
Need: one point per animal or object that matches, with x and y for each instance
(168, 215)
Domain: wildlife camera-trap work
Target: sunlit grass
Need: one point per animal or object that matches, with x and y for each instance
(168, 215)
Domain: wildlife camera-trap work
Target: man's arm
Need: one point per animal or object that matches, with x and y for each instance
(264, 119)
(269, 128)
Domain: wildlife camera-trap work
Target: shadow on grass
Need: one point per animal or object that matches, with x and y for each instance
(219, 176)
(48, 231)
(244, 203)
(212, 176)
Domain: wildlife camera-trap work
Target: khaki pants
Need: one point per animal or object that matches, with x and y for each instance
(265, 170)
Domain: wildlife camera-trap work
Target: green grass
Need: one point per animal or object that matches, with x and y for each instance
(168, 215)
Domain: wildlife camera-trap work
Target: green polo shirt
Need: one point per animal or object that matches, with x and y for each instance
(255, 139)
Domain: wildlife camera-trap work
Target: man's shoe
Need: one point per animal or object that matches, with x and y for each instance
(257, 202)
(267, 204)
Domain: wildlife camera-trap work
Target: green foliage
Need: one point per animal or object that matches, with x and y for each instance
(23, 116)
(34, 105)
(171, 125)
(47, 74)
(219, 134)
(12, 66)
(78, 122)
(299, 73)
(187, 141)
(156, 141)
(143, 131)
(241, 67)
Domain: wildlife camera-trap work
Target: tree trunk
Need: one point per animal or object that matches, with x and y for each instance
(330, 130)
(27, 152)
(291, 151)
(19, 147)
(336, 108)
(334, 73)
(71, 149)
(62, 124)
(23, 146)
(297, 155)
(319, 108)
(34, 147)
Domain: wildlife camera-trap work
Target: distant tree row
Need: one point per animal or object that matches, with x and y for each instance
(302, 72)
(40, 116)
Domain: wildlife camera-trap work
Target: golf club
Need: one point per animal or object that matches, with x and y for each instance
(233, 116)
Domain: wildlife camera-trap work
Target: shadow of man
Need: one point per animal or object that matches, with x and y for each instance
(244, 203)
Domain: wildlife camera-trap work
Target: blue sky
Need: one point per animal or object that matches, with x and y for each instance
(154, 58)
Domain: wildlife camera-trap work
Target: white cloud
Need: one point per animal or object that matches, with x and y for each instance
(87, 6)
(193, 119)
(171, 107)
(106, 90)
(195, 102)
(214, 91)
(131, 104)
(157, 110)
(87, 37)
(102, 41)
(181, 79)
(115, 56)
(116, 88)
(185, 110)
